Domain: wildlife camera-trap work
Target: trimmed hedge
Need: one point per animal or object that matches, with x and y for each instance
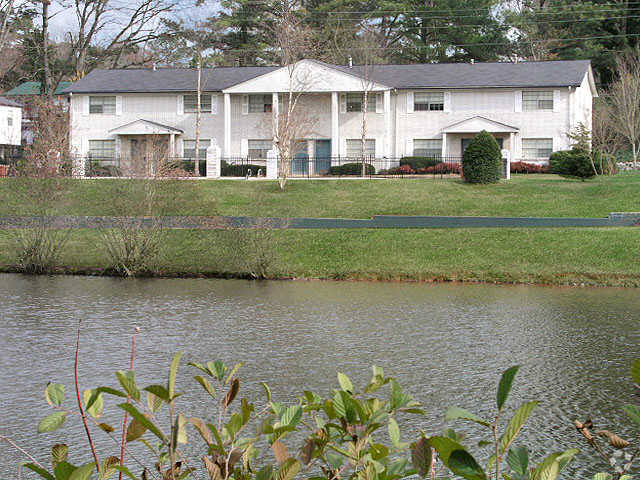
(352, 169)
(233, 170)
(482, 160)
(417, 163)
(573, 163)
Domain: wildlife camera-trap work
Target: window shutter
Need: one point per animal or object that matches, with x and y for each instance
(180, 105)
(379, 103)
(119, 105)
(343, 147)
(85, 105)
(244, 147)
(343, 103)
(214, 104)
(245, 104)
(447, 101)
(517, 100)
(409, 151)
(556, 100)
(409, 102)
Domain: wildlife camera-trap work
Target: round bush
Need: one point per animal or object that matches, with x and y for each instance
(572, 163)
(419, 162)
(353, 168)
(482, 160)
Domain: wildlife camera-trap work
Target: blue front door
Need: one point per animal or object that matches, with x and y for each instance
(322, 162)
(300, 162)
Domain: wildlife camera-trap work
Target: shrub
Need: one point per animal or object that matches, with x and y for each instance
(572, 163)
(232, 170)
(354, 168)
(524, 167)
(482, 160)
(417, 163)
(442, 167)
(402, 170)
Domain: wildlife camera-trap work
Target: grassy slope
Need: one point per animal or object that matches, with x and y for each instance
(554, 256)
(534, 195)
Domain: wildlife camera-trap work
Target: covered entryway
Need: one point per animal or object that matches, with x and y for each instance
(144, 138)
(457, 136)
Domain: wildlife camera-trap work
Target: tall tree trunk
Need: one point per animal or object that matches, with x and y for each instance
(365, 99)
(45, 86)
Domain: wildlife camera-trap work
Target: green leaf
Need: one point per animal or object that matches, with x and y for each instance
(463, 464)
(635, 371)
(201, 367)
(159, 391)
(394, 432)
(291, 416)
(265, 473)
(633, 412)
(39, 470)
(59, 453)
(518, 460)
(94, 403)
(135, 413)
(128, 382)
(84, 472)
(267, 391)
(63, 470)
(421, 457)
(504, 387)
(154, 403)
(173, 372)
(455, 413)
(206, 384)
(345, 383)
(126, 471)
(233, 371)
(54, 394)
(107, 468)
(218, 368)
(135, 430)
(288, 470)
(52, 422)
(515, 425)
(602, 476)
(550, 467)
(180, 429)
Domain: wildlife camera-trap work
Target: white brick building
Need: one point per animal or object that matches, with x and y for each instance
(10, 126)
(425, 109)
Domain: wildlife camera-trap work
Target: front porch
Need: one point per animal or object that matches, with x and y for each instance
(457, 136)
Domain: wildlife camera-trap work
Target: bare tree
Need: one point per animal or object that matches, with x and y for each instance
(623, 99)
(6, 12)
(291, 123)
(108, 29)
(605, 136)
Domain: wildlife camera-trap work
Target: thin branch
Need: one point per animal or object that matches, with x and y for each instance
(126, 413)
(21, 450)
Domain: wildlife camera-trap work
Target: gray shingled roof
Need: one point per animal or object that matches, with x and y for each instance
(431, 75)
(9, 103)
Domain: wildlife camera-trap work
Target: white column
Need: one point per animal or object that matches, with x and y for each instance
(444, 145)
(172, 145)
(227, 125)
(335, 128)
(272, 164)
(213, 162)
(276, 112)
(387, 126)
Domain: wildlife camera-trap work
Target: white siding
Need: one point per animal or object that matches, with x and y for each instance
(10, 134)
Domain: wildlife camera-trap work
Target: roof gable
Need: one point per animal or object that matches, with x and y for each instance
(477, 124)
(307, 76)
(144, 127)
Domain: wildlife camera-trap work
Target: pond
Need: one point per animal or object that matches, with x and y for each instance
(447, 344)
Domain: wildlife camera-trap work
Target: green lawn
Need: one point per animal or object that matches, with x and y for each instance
(606, 256)
(524, 195)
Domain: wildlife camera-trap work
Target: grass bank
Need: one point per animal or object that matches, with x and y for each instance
(524, 195)
(604, 257)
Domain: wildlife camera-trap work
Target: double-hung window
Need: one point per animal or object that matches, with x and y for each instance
(10, 121)
(258, 149)
(189, 148)
(427, 148)
(355, 102)
(102, 148)
(103, 105)
(537, 148)
(428, 101)
(537, 100)
(260, 103)
(354, 148)
(191, 103)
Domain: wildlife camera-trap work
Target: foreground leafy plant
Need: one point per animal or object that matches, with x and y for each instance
(610, 446)
(462, 463)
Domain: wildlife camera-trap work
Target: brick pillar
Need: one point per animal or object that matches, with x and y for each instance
(272, 164)
(213, 162)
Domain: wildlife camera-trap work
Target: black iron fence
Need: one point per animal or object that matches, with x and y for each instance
(317, 167)
(124, 167)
